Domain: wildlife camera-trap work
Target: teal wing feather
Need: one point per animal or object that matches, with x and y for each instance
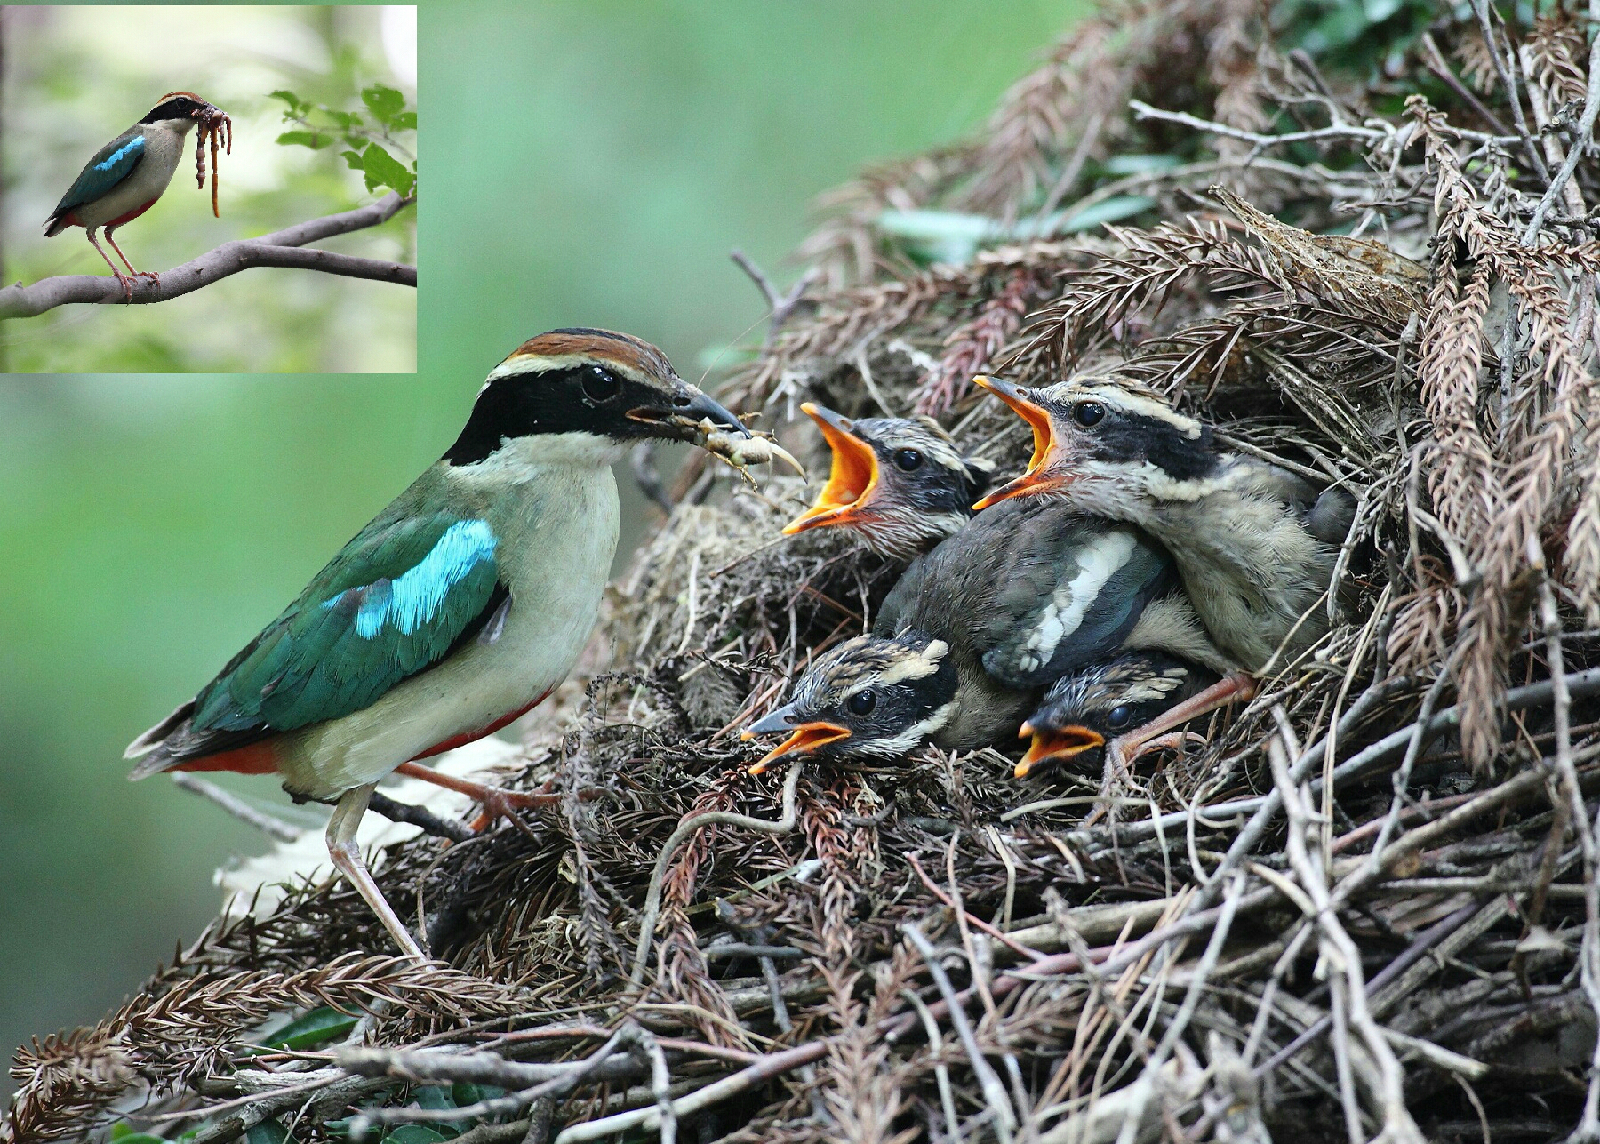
(399, 598)
(111, 165)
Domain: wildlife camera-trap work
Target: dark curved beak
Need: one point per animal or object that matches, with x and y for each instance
(684, 413)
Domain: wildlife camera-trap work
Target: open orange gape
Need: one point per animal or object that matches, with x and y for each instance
(807, 737)
(852, 479)
(1038, 418)
(1052, 746)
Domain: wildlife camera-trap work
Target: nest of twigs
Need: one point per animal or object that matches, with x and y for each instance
(1365, 907)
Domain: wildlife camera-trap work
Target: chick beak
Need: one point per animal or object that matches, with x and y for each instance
(852, 479)
(1048, 746)
(806, 737)
(1034, 479)
(684, 413)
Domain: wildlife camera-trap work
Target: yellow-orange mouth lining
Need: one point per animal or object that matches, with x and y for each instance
(1038, 420)
(852, 479)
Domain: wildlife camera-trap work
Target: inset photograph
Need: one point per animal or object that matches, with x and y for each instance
(225, 189)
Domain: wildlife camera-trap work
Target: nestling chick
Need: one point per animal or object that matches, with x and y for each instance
(1023, 595)
(1092, 708)
(1254, 544)
(870, 696)
(898, 483)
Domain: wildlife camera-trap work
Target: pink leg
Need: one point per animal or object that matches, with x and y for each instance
(150, 274)
(347, 858)
(1124, 749)
(127, 285)
(497, 802)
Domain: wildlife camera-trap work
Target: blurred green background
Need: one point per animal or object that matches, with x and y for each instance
(587, 163)
(78, 75)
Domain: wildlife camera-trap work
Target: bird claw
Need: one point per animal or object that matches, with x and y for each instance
(498, 803)
(1174, 740)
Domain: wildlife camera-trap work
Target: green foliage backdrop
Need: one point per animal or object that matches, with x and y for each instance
(586, 163)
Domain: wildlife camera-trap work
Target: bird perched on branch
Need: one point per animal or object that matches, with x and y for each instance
(1255, 545)
(459, 607)
(972, 634)
(128, 175)
(898, 483)
(1093, 709)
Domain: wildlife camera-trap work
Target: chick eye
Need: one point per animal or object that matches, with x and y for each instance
(861, 703)
(908, 459)
(599, 385)
(1119, 717)
(1088, 413)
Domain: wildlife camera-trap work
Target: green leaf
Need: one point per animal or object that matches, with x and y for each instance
(405, 121)
(384, 170)
(465, 1092)
(317, 1027)
(313, 139)
(414, 1134)
(1110, 210)
(129, 1136)
(434, 1096)
(356, 160)
(267, 1132)
(1138, 164)
(384, 102)
(344, 120)
(294, 101)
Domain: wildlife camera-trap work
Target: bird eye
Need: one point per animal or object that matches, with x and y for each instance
(861, 703)
(1088, 413)
(1119, 717)
(908, 460)
(599, 385)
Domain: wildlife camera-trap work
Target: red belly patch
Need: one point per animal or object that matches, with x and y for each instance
(461, 740)
(256, 759)
(131, 215)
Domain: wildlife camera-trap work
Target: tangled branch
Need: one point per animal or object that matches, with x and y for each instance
(284, 248)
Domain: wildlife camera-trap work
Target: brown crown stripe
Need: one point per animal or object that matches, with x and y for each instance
(607, 345)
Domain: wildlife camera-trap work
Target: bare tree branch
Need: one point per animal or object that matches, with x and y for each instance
(282, 248)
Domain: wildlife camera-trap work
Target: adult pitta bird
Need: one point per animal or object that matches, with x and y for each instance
(459, 607)
(128, 175)
(898, 483)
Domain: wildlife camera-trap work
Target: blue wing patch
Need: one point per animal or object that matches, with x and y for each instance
(400, 597)
(111, 165)
(412, 599)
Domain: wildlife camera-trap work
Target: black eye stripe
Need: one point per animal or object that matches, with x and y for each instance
(1124, 436)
